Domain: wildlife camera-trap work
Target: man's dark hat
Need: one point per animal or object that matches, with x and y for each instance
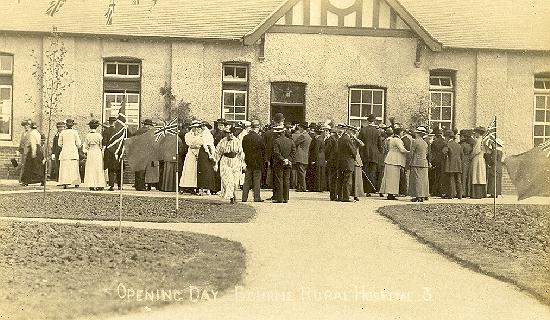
(148, 122)
(436, 130)
(466, 132)
(70, 122)
(111, 119)
(371, 117)
(479, 130)
(94, 123)
(313, 125)
(278, 117)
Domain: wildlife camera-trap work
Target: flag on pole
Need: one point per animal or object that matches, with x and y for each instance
(167, 128)
(116, 142)
(54, 7)
(109, 13)
(490, 136)
(530, 171)
(141, 150)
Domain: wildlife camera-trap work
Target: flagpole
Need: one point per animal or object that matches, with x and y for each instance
(495, 172)
(177, 165)
(120, 197)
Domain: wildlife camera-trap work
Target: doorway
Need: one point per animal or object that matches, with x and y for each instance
(288, 98)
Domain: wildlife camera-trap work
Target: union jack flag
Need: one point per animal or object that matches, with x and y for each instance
(54, 7)
(109, 13)
(167, 128)
(491, 133)
(116, 142)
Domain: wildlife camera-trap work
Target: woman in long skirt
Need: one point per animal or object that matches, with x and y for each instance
(168, 178)
(478, 170)
(229, 152)
(33, 169)
(193, 139)
(24, 147)
(466, 142)
(94, 176)
(205, 161)
(419, 187)
(69, 141)
(395, 160)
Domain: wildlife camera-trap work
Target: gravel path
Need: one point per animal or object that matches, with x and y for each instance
(316, 259)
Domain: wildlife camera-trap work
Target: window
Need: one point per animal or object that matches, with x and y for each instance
(234, 92)
(288, 98)
(122, 69)
(541, 127)
(6, 96)
(365, 101)
(442, 99)
(122, 83)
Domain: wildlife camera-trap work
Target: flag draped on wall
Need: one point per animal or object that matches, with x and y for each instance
(116, 143)
(530, 171)
(54, 7)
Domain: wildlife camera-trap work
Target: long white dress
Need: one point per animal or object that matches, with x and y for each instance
(189, 174)
(69, 141)
(230, 168)
(94, 176)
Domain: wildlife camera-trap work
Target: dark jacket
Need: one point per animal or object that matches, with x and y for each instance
(346, 153)
(283, 148)
(269, 138)
(302, 142)
(436, 152)
(320, 147)
(56, 149)
(253, 147)
(454, 155)
(371, 138)
(331, 151)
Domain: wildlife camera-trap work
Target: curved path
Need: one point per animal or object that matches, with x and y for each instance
(316, 259)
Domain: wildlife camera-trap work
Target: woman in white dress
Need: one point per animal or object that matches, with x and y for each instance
(94, 176)
(69, 142)
(395, 160)
(229, 152)
(194, 141)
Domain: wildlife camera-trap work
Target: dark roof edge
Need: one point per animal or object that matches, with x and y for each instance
(448, 48)
(430, 41)
(121, 36)
(255, 34)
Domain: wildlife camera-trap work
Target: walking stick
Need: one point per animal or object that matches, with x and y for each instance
(372, 185)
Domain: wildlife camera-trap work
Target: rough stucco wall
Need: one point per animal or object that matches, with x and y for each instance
(333, 63)
(24, 84)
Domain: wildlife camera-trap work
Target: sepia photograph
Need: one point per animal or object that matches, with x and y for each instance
(274, 159)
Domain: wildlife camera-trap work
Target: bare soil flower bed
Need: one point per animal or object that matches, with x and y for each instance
(65, 271)
(104, 206)
(514, 246)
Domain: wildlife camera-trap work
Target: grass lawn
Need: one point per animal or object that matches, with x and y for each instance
(64, 271)
(104, 206)
(514, 246)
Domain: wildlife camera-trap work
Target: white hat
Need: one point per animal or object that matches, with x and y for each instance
(195, 124)
(422, 129)
(278, 129)
(246, 123)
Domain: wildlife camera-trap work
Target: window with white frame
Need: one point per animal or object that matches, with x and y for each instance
(442, 100)
(364, 101)
(122, 85)
(541, 126)
(234, 91)
(6, 96)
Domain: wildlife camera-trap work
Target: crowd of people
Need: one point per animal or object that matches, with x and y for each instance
(347, 161)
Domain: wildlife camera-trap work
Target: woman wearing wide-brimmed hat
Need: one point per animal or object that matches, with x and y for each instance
(229, 152)
(33, 169)
(193, 139)
(419, 187)
(394, 161)
(478, 170)
(94, 177)
(70, 142)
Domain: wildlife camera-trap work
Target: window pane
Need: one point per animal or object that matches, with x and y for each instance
(540, 102)
(241, 73)
(446, 99)
(5, 94)
(240, 110)
(539, 115)
(547, 116)
(366, 109)
(123, 69)
(367, 96)
(111, 68)
(445, 125)
(229, 116)
(288, 93)
(228, 98)
(231, 110)
(537, 141)
(228, 72)
(240, 117)
(133, 98)
(240, 99)
(377, 110)
(547, 131)
(133, 69)
(445, 82)
(355, 110)
(539, 130)
(434, 81)
(6, 63)
(539, 84)
(446, 114)
(355, 122)
(436, 98)
(436, 114)
(355, 96)
(377, 97)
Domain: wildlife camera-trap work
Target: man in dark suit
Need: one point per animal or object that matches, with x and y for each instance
(438, 162)
(56, 150)
(302, 140)
(453, 166)
(109, 161)
(269, 138)
(254, 149)
(284, 152)
(346, 165)
(370, 153)
(331, 155)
